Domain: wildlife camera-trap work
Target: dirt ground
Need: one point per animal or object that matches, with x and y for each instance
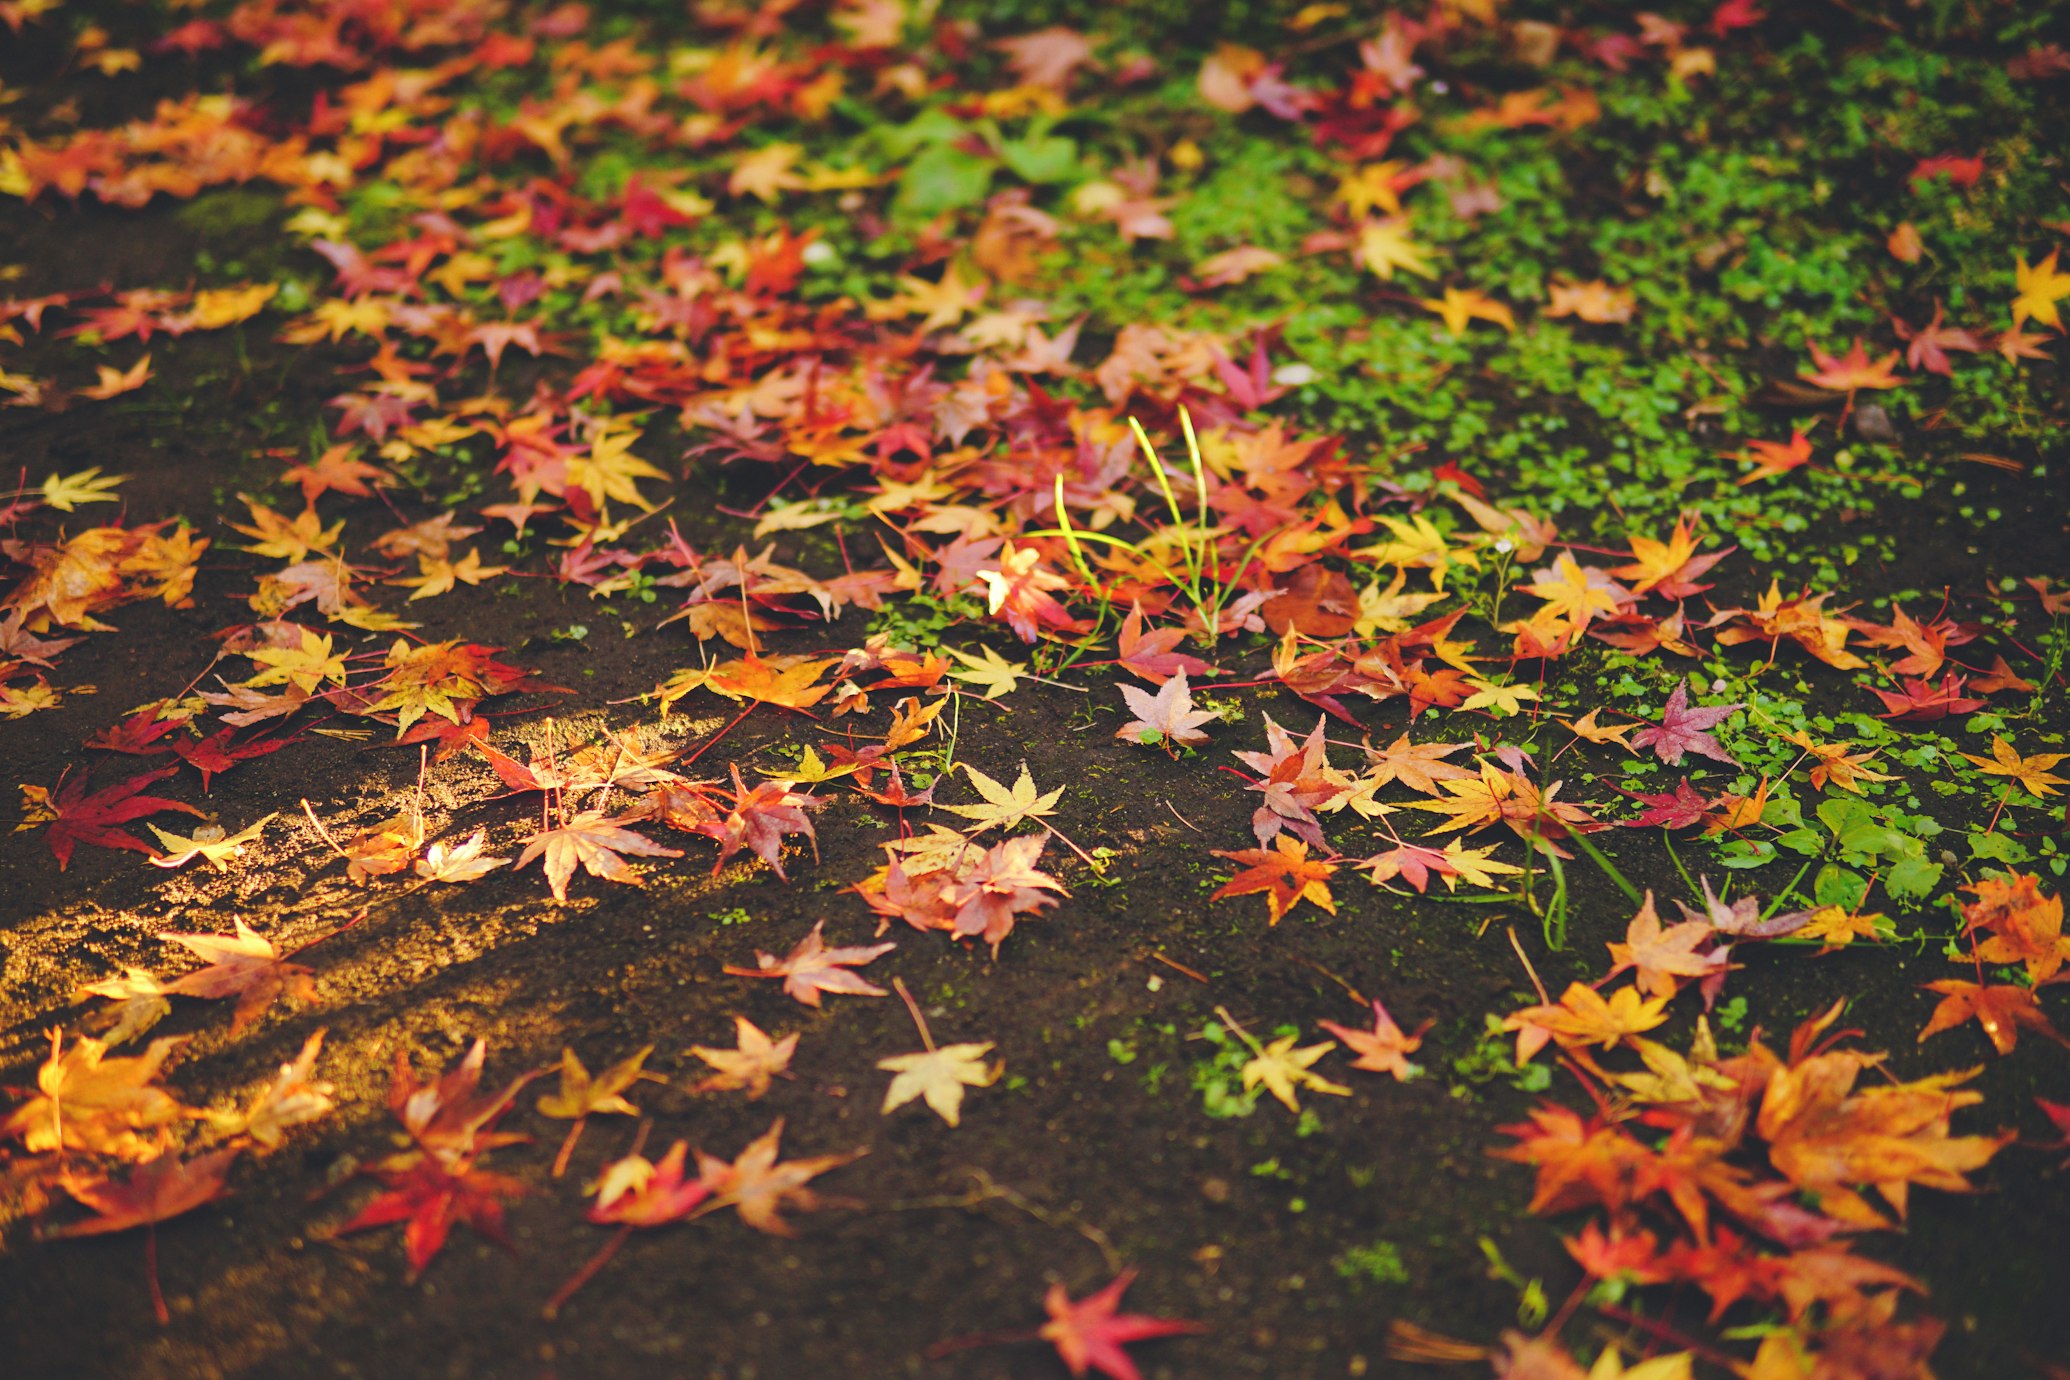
(1095, 1152)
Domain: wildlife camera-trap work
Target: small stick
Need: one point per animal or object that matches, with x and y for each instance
(919, 1020)
(1525, 959)
(151, 1272)
(1179, 967)
(587, 1273)
(560, 1161)
(1083, 856)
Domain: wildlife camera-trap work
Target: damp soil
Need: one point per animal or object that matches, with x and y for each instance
(1096, 1150)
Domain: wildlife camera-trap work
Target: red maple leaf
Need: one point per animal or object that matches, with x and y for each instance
(217, 753)
(1283, 872)
(1922, 701)
(1150, 654)
(154, 1191)
(1960, 171)
(758, 820)
(75, 815)
(1676, 809)
(1851, 372)
(430, 1198)
(138, 735)
(1927, 348)
(1683, 730)
(1735, 14)
(1089, 1333)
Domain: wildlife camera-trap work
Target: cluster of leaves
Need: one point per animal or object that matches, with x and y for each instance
(885, 318)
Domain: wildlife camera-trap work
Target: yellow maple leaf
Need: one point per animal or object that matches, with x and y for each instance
(1282, 1069)
(1461, 307)
(65, 492)
(2038, 290)
(1384, 246)
(2031, 772)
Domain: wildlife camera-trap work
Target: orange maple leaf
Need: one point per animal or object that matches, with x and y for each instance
(1285, 873)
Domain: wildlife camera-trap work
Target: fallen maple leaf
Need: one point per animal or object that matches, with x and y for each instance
(1419, 766)
(1284, 873)
(1004, 808)
(1383, 1049)
(1684, 730)
(219, 850)
(1923, 701)
(596, 842)
(758, 820)
(1835, 927)
(1150, 654)
(1596, 302)
(1385, 245)
(1773, 458)
(1599, 733)
(1089, 1333)
(2025, 926)
(940, 1076)
(582, 1096)
(1584, 1017)
(458, 863)
(759, 1187)
(430, 1197)
(2032, 773)
(2000, 1009)
(812, 968)
(158, 1189)
(294, 1098)
(634, 1192)
(1676, 809)
(1661, 957)
(1460, 307)
(244, 965)
(1282, 1070)
(990, 672)
(75, 816)
(1826, 1138)
(750, 1065)
(1852, 371)
(1415, 864)
(1168, 716)
(85, 1101)
(450, 1119)
(2037, 290)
